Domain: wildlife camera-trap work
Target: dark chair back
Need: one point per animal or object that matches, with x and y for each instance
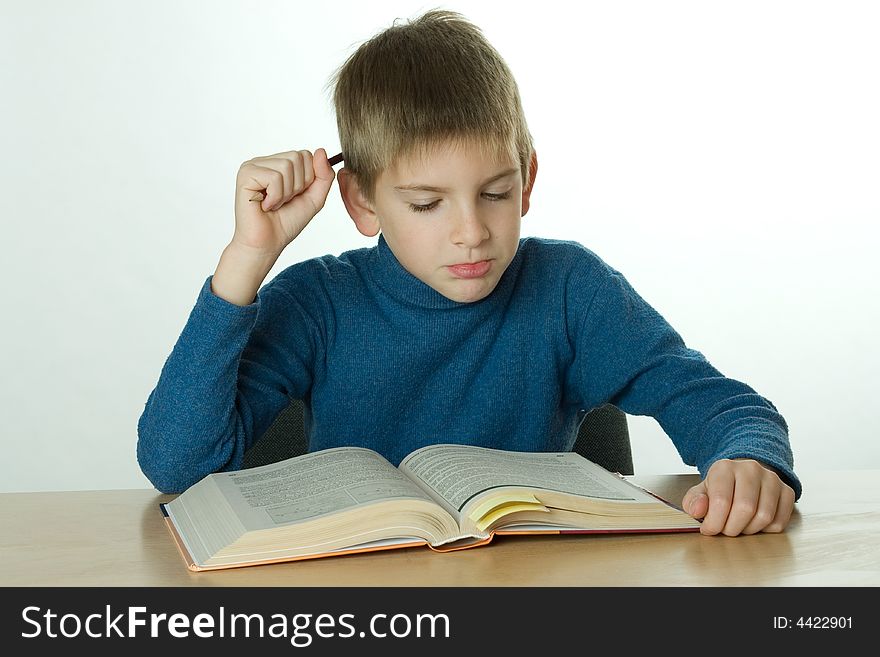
(286, 437)
(603, 437)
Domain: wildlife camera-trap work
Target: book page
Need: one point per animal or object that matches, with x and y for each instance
(456, 473)
(312, 485)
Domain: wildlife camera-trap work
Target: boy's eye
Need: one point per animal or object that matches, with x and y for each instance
(427, 207)
(423, 208)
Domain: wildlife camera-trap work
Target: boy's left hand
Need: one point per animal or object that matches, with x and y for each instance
(740, 496)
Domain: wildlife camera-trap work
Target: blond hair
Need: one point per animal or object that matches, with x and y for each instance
(431, 81)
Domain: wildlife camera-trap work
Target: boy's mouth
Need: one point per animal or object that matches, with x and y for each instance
(470, 269)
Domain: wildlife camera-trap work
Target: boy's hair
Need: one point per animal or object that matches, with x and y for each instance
(431, 81)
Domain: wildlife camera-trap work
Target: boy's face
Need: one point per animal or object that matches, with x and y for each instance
(452, 219)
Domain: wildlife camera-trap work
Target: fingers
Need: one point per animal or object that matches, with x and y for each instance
(280, 177)
(293, 173)
(744, 497)
(784, 509)
(319, 187)
(696, 501)
(720, 485)
(323, 169)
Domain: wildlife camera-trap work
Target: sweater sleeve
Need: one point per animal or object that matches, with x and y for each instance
(628, 355)
(226, 379)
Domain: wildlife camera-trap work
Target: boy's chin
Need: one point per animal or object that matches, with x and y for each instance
(469, 292)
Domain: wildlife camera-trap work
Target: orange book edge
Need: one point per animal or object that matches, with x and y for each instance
(660, 530)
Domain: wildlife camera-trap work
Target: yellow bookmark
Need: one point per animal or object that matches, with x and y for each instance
(500, 505)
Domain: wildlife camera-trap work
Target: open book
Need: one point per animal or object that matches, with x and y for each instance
(350, 499)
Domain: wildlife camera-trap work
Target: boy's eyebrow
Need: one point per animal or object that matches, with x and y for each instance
(429, 188)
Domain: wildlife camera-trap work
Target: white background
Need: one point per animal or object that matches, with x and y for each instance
(723, 156)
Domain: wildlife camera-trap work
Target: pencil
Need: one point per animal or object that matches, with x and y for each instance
(336, 159)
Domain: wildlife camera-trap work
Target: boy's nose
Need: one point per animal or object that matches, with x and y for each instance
(470, 231)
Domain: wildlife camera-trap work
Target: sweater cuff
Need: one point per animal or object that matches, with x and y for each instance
(222, 314)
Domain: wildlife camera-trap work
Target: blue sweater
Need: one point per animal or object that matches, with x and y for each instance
(383, 361)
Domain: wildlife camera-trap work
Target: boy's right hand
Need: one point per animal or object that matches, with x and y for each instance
(296, 185)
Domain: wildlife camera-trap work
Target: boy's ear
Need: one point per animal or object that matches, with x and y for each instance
(527, 191)
(359, 209)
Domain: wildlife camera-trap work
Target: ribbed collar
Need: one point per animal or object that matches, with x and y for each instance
(398, 283)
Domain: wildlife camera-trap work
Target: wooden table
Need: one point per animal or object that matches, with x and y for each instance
(118, 538)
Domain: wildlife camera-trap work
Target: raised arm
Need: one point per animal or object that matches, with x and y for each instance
(241, 356)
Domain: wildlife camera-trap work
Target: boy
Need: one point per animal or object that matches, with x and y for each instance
(451, 328)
